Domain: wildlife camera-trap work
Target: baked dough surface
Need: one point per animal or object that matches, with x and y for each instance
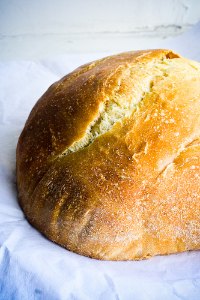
(108, 161)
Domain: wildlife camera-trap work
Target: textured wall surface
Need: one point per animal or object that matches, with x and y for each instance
(32, 29)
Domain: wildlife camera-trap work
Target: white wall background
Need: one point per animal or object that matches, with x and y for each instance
(40, 28)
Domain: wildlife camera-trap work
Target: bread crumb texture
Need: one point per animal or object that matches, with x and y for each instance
(108, 161)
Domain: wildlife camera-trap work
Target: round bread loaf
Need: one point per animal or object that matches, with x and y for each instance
(108, 161)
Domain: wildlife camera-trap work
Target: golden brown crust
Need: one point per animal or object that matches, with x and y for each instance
(131, 190)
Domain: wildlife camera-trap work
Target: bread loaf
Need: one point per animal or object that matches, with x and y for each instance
(108, 161)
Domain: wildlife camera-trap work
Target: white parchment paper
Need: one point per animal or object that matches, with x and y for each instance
(31, 267)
